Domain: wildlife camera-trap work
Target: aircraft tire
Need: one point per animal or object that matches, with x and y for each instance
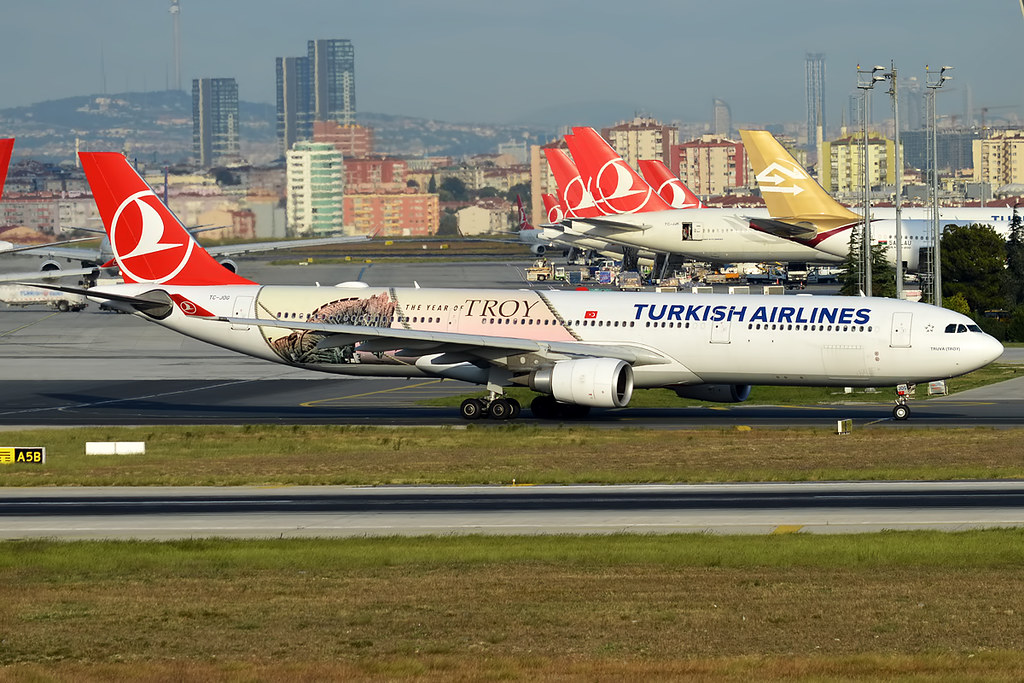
(544, 408)
(517, 408)
(500, 409)
(472, 409)
(900, 412)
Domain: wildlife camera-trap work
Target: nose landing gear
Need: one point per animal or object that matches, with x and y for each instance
(901, 411)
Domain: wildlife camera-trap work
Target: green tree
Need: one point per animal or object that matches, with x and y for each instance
(456, 188)
(448, 225)
(522, 190)
(1013, 274)
(957, 303)
(1015, 328)
(432, 185)
(973, 260)
(883, 273)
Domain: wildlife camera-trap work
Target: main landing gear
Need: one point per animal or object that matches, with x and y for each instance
(495, 406)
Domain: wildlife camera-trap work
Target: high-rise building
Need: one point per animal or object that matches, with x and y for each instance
(842, 166)
(814, 67)
(999, 160)
(316, 183)
(721, 124)
(294, 101)
(333, 69)
(215, 120)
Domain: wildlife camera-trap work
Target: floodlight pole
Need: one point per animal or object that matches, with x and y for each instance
(894, 93)
(866, 81)
(933, 82)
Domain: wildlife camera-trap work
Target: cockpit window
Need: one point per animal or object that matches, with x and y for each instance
(950, 328)
(957, 328)
(974, 328)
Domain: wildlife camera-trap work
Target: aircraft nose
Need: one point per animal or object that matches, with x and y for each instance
(990, 349)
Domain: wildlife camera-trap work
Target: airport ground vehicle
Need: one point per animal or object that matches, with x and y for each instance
(27, 295)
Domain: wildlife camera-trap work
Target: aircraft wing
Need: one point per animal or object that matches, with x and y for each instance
(46, 275)
(609, 222)
(57, 249)
(481, 347)
(783, 229)
(234, 249)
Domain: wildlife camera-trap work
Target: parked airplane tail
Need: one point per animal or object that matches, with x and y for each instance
(668, 186)
(552, 208)
(149, 243)
(573, 194)
(615, 186)
(524, 220)
(793, 198)
(6, 147)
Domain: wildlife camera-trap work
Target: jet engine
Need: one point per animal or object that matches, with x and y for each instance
(230, 265)
(539, 249)
(715, 393)
(598, 382)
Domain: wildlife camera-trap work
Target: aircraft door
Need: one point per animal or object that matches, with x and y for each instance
(242, 309)
(901, 330)
(721, 332)
(691, 231)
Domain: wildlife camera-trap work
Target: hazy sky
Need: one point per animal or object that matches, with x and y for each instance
(502, 62)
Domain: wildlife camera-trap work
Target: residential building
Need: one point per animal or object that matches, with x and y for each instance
(710, 165)
(842, 170)
(215, 121)
(641, 138)
(316, 183)
(392, 214)
(999, 160)
(352, 140)
(294, 101)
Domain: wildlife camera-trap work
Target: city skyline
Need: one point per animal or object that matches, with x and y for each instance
(528, 62)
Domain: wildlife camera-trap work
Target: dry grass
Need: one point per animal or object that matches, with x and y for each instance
(493, 454)
(309, 611)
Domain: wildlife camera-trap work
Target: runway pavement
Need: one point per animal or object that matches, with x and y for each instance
(249, 512)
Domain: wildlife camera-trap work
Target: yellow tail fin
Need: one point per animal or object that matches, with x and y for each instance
(792, 196)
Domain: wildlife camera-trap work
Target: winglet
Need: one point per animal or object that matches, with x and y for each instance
(790, 194)
(6, 147)
(150, 244)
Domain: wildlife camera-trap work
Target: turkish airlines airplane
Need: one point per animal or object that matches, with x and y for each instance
(802, 211)
(668, 186)
(578, 349)
(6, 147)
(625, 198)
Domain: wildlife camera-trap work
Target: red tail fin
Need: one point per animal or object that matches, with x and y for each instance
(149, 243)
(524, 221)
(572, 192)
(6, 146)
(553, 209)
(668, 186)
(615, 186)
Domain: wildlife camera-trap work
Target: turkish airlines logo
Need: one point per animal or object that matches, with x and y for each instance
(189, 308)
(555, 214)
(137, 237)
(577, 198)
(590, 315)
(621, 190)
(772, 179)
(673, 193)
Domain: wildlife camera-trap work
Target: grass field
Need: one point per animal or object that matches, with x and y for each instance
(909, 605)
(499, 454)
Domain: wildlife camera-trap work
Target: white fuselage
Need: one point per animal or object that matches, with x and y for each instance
(712, 338)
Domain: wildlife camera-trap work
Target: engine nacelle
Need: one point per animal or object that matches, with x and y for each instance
(597, 382)
(230, 265)
(539, 249)
(715, 393)
(49, 266)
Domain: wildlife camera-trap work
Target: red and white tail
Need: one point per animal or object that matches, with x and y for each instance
(552, 208)
(6, 147)
(524, 220)
(149, 243)
(573, 194)
(668, 186)
(614, 185)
